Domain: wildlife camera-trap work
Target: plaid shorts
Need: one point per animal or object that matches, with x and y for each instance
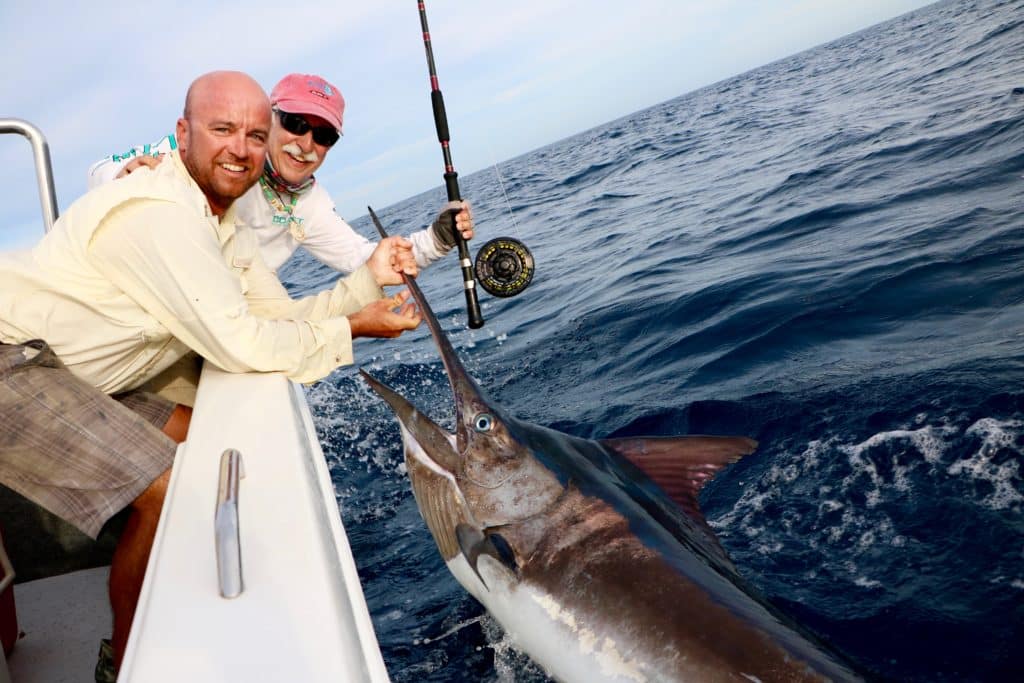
(70, 448)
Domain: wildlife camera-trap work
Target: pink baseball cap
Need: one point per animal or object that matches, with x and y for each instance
(309, 94)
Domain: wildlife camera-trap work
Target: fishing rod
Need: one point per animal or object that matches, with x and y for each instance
(504, 265)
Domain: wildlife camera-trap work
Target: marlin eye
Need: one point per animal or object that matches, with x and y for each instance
(483, 422)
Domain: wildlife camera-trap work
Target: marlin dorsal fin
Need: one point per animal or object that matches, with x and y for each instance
(681, 465)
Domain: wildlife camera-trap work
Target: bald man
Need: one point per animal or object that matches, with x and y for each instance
(133, 277)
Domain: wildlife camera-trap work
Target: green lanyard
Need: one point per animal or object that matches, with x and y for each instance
(283, 215)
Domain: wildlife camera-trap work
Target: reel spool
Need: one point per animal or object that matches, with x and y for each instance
(504, 266)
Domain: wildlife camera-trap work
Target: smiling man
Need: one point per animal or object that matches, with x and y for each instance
(223, 163)
(288, 208)
(135, 276)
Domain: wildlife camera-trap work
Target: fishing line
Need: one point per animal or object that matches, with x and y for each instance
(501, 184)
(452, 631)
(504, 266)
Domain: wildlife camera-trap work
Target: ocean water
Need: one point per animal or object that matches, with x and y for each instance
(824, 254)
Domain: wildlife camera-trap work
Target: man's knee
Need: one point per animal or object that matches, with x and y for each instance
(152, 499)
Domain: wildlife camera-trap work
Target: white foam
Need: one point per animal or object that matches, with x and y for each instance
(1005, 476)
(881, 469)
(865, 582)
(928, 441)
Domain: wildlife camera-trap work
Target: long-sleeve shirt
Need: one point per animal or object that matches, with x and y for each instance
(317, 226)
(139, 272)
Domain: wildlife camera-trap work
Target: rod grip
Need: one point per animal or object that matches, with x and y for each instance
(440, 116)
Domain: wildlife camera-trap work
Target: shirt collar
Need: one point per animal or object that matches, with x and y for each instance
(225, 225)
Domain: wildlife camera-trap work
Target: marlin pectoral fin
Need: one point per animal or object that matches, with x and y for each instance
(503, 550)
(681, 465)
(474, 543)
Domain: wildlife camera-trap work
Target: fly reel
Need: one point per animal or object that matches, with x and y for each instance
(504, 266)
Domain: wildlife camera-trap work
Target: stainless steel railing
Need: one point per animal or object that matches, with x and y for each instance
(44, 169)
(225, 524)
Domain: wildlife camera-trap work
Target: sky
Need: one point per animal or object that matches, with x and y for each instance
(99, 77)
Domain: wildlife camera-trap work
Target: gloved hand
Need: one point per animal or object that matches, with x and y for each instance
(453, 215)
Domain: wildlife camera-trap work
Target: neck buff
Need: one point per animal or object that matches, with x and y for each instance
(274, 179)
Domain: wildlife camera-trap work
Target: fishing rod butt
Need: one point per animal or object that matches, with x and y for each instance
(475, 317)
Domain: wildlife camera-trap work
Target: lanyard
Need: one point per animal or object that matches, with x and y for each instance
(283, 214)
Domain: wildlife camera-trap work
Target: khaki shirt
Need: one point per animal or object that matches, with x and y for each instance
(138, 272)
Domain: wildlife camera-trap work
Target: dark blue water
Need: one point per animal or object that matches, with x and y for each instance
(825, 254)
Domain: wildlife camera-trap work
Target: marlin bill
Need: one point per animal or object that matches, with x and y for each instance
(594, 556)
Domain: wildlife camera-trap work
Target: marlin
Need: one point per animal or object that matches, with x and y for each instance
(594, 555)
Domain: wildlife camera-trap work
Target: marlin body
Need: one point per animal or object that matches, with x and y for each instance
(594, 555)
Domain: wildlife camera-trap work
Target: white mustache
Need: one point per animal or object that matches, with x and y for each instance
(293, 149)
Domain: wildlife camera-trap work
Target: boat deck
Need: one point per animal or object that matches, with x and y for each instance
(63, 619)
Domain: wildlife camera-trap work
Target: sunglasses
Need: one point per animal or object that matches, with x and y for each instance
(296, 124)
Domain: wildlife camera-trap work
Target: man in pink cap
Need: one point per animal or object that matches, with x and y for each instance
(288, 208)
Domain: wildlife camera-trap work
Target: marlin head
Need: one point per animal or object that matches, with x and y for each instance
(481, 477)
